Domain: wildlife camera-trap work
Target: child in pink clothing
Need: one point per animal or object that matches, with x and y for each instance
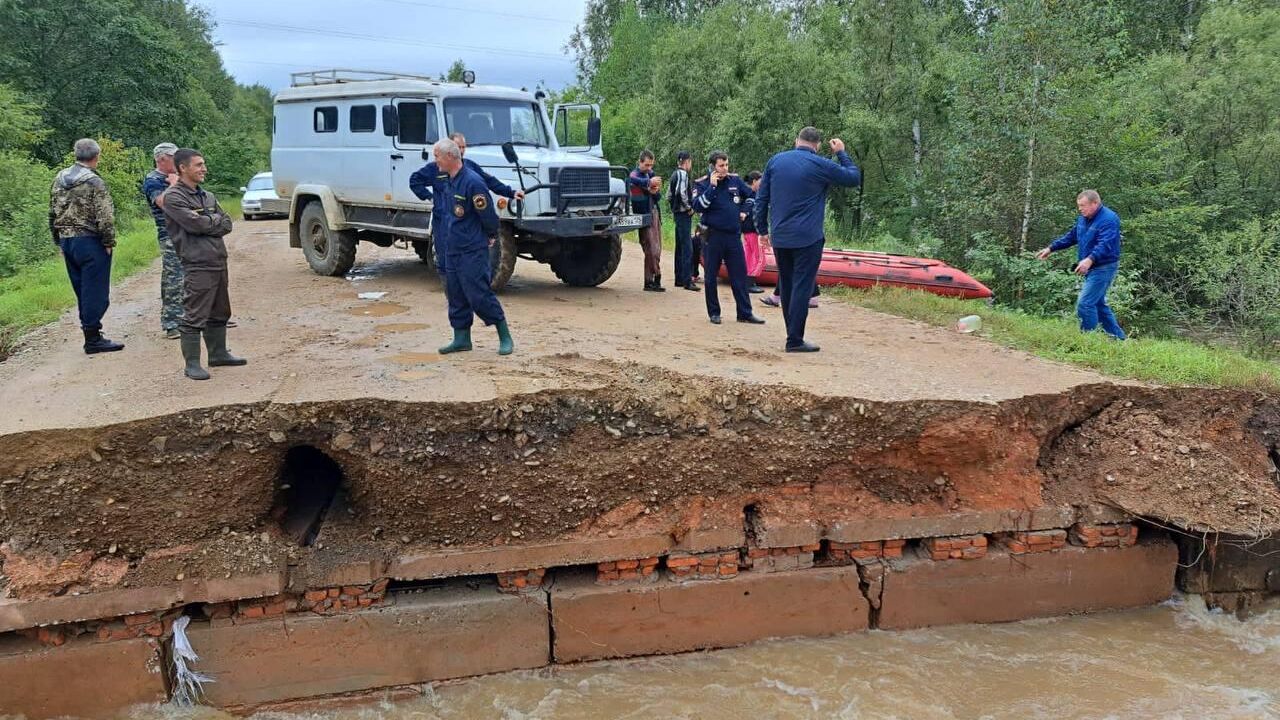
(750, 238)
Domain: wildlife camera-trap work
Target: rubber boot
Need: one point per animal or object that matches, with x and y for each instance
(461, 342)
(506, 345)
(215, 337)
(94, 343)
(191, 354)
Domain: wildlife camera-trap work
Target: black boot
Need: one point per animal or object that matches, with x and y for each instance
(215, 337)
(191, 354)
(94, 343)
(657, 284)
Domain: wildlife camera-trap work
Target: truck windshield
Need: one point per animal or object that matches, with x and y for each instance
(488, 121)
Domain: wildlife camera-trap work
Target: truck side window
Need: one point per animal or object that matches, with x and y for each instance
(326, 119)
(364, 118)
(418, 123)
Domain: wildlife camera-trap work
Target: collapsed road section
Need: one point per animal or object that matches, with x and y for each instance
(656, 513)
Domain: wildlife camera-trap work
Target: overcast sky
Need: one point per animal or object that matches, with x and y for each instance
(505, 42)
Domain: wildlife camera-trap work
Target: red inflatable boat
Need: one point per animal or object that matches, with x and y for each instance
(855, 268)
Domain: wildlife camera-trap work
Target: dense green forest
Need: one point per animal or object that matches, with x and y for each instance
(132, 73)
(976, 122)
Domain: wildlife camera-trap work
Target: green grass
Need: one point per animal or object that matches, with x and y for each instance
(40, 293)
(1170, 362)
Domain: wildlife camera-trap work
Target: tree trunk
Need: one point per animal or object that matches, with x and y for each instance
(1031, 164)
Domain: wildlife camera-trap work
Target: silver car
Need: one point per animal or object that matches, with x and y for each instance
(260, 199)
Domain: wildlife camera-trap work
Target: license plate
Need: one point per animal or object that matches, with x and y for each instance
(629, 221)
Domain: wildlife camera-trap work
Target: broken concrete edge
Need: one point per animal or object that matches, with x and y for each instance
(435, 565)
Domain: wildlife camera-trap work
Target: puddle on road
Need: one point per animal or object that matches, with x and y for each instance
(380, 309)
(414, 358)
(399, 327)
(414, 375)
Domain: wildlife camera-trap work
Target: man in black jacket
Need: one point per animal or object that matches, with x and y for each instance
(682, 212)
(196, 224)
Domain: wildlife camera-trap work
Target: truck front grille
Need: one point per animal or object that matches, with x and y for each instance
(575, 180)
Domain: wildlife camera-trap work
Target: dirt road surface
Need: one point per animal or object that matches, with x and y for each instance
(311, 338)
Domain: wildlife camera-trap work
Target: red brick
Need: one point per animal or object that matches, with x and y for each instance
(316, 595)
(628, 564)
(155, 629)
(813, 547)
(335, 592)
(365, 602)
(674, 561)
(134, 620)
(649, 562)
(274, 609)
(607, 566)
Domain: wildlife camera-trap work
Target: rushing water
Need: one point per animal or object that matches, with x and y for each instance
(1176, 660)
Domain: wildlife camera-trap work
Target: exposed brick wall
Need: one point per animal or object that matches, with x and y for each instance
(960, 547)
(1035, 541)
(839, 553)
(799, 557)
(632, 570)
(521, 580)
(1111, 535)
(703, 566)
(127, 627)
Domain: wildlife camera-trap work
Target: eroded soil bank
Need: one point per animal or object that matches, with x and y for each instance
(241, 486)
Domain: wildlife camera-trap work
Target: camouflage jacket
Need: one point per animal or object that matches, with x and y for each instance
(80, 204)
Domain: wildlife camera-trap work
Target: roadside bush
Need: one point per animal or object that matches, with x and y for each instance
(24, 211)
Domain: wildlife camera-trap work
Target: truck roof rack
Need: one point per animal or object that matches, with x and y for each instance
(345, 75)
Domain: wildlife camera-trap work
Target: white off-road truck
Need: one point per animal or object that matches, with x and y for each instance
(345, 143)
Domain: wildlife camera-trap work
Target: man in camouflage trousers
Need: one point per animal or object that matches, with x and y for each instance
(82, 222)
(153, 186)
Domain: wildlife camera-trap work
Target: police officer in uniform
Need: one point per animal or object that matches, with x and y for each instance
(161, 178)
(467, 275)
(197, 223)
(82, 222)
(721, 198)
(790, 209)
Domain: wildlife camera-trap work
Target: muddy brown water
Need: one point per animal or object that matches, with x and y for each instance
(1175, 661)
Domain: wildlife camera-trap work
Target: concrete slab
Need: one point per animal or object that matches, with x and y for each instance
(963, 523)
(438, 634)
(442, 564)
(1004, 588)
(593, 622)
(83, 679)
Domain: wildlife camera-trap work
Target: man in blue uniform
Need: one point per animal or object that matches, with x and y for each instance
(1096, 236)
(473, 221)
(790, 209)
(429, 181)
(721, 198)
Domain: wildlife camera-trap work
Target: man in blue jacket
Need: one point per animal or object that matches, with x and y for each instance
(473, 221)
(1096, 236)
(790, 209)
(429, 182)
(721, 198)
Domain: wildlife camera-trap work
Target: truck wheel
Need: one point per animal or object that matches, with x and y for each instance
(587, 262)
(328, 252)
(502, 258)
(426, 253)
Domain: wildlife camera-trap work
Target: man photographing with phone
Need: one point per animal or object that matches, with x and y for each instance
(791, 207)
